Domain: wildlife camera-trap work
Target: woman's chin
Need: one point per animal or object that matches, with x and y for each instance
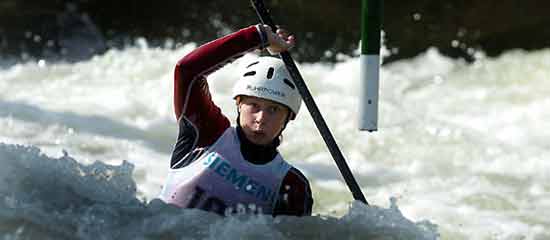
(259, 139)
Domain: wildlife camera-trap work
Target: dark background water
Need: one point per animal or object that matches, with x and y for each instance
(77, 29)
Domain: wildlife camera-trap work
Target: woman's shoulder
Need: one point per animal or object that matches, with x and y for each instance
(295, 177)
(295, 195)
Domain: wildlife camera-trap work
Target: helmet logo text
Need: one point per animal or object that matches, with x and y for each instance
(265, 90)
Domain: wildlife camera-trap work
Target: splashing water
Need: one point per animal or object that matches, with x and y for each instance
(460, 147)
(58, 198)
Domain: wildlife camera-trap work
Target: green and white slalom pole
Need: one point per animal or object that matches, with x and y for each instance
(371, 15)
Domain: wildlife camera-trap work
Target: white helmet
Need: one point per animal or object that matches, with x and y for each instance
(267, 77)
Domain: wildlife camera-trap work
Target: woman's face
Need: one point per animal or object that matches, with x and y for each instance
(261, 119)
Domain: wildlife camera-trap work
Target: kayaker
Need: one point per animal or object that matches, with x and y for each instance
(225, 169)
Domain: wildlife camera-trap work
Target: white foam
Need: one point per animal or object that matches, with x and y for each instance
(464, 146)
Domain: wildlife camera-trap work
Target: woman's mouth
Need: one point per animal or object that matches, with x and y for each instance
(258, 133)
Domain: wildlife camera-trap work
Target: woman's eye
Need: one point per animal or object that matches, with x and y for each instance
(253, 106)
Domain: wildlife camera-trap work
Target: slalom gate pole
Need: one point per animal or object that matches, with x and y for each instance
(371, 12)
(265, 18)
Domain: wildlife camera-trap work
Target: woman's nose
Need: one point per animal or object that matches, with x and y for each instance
(260, 116)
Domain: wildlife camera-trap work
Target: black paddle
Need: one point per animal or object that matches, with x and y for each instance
(265, 18)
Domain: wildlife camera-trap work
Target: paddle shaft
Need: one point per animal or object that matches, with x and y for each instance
(265, 18)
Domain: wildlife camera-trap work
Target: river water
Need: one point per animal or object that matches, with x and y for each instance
(460, 153)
